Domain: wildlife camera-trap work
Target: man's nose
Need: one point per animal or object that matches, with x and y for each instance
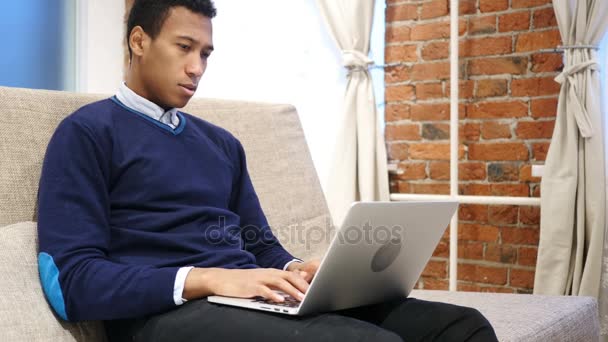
(196, 67)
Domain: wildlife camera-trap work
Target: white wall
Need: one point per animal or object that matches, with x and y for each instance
(99, 50)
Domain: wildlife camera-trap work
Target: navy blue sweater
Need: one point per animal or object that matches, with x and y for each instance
(125, 201)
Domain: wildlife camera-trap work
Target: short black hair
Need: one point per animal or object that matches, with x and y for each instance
(151, 14)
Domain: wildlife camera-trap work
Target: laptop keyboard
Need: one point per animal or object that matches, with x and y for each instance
(289, 302)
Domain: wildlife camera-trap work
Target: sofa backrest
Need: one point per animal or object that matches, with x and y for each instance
(278, 159)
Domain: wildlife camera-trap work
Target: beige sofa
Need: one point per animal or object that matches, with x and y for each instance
(288, 187)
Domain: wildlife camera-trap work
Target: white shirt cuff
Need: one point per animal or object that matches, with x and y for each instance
(178, 287)
(289, 263)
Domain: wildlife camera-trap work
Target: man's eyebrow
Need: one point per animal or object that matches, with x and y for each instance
(207, 47)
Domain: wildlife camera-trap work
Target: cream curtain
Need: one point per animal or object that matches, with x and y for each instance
(573, 197)
(359, 171)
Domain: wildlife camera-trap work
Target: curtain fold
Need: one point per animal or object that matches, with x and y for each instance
(359, 171)
(573, 197)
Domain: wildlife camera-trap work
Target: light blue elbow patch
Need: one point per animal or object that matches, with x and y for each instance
(49, 276)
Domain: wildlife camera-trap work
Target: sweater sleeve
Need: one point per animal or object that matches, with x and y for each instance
(255, 232)
(78, 278)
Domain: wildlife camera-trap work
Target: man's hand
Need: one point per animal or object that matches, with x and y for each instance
(309, 268)
(247, 283)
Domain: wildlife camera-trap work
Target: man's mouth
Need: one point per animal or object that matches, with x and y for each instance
(189, 89)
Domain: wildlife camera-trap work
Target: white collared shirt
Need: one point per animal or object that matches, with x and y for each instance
(139, 103)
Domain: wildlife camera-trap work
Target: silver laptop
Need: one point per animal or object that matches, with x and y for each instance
(377, 255)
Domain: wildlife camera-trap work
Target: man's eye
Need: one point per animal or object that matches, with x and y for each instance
(184, 46)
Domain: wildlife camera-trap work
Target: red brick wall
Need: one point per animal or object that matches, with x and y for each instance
(507, 108)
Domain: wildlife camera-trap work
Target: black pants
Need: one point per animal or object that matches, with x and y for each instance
(401, 320)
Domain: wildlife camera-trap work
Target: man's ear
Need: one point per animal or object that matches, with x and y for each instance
(138, 41)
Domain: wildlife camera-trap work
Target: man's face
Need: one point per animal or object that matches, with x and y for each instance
(172, 64)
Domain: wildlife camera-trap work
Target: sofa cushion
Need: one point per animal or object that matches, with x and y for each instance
(24, 312)
(527, 318)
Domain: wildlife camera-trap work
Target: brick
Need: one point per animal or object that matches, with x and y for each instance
(468, 171)
(498, 151)
(539, 151)
(544, 18)
(430, 31)
(467, 7)
(482, 274)
(431, 71)
(482, 25)
(503, 172)
(435, 268)
(434, 284)
(522, 278)
(397, 33)
(430, 188)
(503, 214)
(485, 46)
(505, 254)
(439, 170)
(401, 53)
(540, 108)
(533, 41)
(517, 21)
(473, 212)
(529, 215)
(397, 151)
(520, 236)
(474, 189)
(492, 88)
(493, 5)
(402, 132)
(477, 232)
(427, 112)
(465, 89)
(403, 187)
(468, 287)
(534, 129)
(526, 256)
(536, 86)
(513, 190)
(528, 3)
(494, 289)
(497, 110)
(430, 151)
(401, 12)
(434, 9)
(435, 131)
(471, 250)
(396, 112)
(495, 130)
(425, 91)
(525, 174)
(396, 73)
(547, 62)
(499, 65)
(469, 131)
(442, 250)
(435, 50)
(412, 171)
(535, 190)
(399, 93)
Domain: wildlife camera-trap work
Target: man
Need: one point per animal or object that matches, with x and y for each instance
(144, 211)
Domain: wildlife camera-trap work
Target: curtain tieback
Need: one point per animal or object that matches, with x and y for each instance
(583, 120)
(354, 60)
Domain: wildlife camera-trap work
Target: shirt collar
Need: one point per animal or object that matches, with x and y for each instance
(140, 104)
